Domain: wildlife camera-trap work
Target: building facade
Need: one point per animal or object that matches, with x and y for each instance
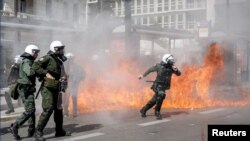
(170, 14)
(39, 22)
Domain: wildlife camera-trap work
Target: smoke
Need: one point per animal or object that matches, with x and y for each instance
(101, 54)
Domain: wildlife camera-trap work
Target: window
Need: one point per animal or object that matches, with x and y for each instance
(75, 12)
(119, 8)
(173, 4)
(138, 6)
(152, 2)
(166, 19)
(190, 3)
(159, 19)
(92, 1)
(23, 6)
(145, 4)
(166, 22)
(48, 8)
(144, 20)
(159, 5)
(151, 20)
(65, 11)
(138, 20)
(165, 25)
(199, 4)
(172, 22)
(190, 21)
(180, 21)
(180, 26)
(180, 4)
(190, 17)
(134, 21)
(180, 17)
(166, 5)
(132, 10)
(151, 6)
(122, 8)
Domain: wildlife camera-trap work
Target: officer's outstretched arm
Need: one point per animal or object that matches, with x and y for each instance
(152, 69)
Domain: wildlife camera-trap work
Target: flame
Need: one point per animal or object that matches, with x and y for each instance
(194, 88)
(116, 86)
(191, 90)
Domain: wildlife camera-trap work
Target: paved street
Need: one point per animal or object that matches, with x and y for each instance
(127, 125)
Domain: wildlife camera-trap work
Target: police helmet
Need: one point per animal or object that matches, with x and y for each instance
(32, 49)
(168, 58)
(17, 59)
(56, 45)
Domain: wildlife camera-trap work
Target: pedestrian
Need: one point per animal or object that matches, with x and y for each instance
(50, 67)
(76, 74)
(26, 88)
(164, 71)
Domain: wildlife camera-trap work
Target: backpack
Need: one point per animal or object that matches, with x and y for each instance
(13, 74)
(13, 91)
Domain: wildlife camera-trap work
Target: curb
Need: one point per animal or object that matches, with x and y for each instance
(8, 119)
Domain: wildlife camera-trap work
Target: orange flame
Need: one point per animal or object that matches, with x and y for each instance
(118, 87)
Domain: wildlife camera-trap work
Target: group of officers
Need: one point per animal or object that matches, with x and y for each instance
(50, 70)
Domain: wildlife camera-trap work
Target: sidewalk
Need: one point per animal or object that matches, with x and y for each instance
(6, 117)
(4, 105)
(18, 109)
(4, 108)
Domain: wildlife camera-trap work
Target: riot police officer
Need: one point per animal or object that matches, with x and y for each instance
(26, 88)
(76, 74)
(164, 71)
(12, 78)
(51, 70)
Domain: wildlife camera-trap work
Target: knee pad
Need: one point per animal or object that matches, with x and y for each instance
(30, 111)
(48, 110)
(161, 95)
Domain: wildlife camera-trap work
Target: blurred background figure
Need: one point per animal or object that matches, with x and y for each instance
(12, 78)
(76, 75)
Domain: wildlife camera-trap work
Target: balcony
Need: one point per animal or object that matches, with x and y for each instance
(29, 21)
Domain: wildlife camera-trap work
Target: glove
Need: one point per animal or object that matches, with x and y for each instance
(140, 77)
(174, 68)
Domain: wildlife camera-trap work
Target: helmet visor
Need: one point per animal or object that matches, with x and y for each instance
(35, 51)
(59, 50)
(171, 61)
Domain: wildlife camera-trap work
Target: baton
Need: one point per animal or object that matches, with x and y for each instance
(150, 81)
(39, 89)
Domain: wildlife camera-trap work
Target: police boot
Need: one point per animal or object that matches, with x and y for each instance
(39, 136)
(31, 133)
(10, 111)
(158, 115)
(62, 133)
(14, 131)
(143, 113)
(145, 109)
